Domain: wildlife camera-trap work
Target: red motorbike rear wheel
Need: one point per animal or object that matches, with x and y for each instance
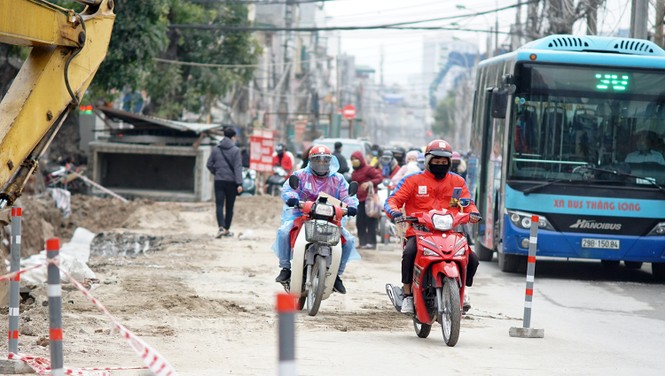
(422, 330)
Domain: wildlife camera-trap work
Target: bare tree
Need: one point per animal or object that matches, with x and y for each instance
(547, 17)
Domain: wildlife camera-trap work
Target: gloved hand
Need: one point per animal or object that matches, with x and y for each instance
(475, 217)
(395, 214)
(293, 201)
(351, 211)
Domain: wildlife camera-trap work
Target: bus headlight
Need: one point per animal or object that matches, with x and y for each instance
(523, 220)
(658, 230)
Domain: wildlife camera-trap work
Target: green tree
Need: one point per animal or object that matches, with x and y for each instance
(444, 117)
(196, 87)
(142, 33)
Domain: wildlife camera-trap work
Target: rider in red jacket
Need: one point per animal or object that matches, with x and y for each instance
(430, 189)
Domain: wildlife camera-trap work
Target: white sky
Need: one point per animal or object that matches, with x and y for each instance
(402, 49)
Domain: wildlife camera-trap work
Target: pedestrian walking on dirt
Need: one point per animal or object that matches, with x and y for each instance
(225, 163)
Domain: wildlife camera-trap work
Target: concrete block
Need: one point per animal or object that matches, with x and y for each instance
(14, 367)
(526, 332)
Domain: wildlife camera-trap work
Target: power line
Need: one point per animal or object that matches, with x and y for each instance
(395, 26)
(337, 28)
(260, 2)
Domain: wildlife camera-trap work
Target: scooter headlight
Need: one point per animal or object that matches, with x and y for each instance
(324, 210)
(442, 222)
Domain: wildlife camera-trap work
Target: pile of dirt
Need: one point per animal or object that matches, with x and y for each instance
(42, 220)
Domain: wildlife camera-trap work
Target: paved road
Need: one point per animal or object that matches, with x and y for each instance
(595, 323)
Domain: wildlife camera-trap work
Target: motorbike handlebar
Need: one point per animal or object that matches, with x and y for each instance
(405, 219)
(301, 204)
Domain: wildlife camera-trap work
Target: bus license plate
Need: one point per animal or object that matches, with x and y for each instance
(600, 243)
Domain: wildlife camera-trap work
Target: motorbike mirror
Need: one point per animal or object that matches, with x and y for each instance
(294, 182)
(353, 188)
(464, 202)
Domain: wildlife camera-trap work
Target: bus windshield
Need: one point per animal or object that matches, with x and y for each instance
(565, 117)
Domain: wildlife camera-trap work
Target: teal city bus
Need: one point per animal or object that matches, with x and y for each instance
(572, 129)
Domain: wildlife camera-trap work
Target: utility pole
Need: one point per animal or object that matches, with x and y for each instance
(516, 38)
(660, 15)
(592, 18)
(532, 21)
(638, 16)
(496, 30)
(381, 64)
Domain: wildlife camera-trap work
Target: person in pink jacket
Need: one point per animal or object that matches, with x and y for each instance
(366, 176)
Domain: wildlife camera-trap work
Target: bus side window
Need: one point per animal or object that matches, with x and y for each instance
(525, 131)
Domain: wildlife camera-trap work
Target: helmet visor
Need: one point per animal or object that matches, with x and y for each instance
(441, 153)
(320, 163)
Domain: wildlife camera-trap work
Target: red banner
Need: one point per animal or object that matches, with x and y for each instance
(261, 145)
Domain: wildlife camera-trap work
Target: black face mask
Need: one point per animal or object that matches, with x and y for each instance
(439, 171)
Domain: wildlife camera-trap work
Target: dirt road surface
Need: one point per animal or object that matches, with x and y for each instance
(208, 306)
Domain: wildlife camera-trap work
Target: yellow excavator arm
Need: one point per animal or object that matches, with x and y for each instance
(67, 50)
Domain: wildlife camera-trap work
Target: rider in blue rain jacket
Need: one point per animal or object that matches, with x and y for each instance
(320, 175)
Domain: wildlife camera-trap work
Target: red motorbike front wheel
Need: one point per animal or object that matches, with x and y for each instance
(450, 311)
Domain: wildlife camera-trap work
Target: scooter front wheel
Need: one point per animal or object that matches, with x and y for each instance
(318, 285)
(450, 310)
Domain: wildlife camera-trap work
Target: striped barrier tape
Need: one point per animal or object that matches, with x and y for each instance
(9, 276)
(42, 366)
(152, 359)
(155, 361)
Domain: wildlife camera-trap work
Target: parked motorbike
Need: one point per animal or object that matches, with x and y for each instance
(317, 251)
(66, 177)
(275, 181)
(439, 271)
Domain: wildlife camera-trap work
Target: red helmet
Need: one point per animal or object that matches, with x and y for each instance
(456, 156)
(439, 148)
(319, 150)
(319, 159)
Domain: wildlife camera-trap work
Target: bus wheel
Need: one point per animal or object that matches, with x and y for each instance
(484, 253)
(658, 270)
(511, 263)
(633, 264)
(610, 264)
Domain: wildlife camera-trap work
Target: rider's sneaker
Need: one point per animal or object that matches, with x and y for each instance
(467, 304)
(407, 304)
(339, 286)
(283, 276)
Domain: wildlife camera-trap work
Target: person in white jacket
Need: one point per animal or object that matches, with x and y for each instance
(410, 167)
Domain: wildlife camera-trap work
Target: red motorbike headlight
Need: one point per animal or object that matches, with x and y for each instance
(442, 222)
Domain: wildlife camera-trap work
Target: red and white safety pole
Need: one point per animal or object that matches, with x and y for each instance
(14, 284)
(286, 309)
(54, 308)
(526, 330)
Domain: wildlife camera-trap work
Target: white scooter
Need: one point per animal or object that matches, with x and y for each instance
(317, 251)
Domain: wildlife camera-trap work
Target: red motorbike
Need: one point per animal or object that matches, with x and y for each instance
(439, 272)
